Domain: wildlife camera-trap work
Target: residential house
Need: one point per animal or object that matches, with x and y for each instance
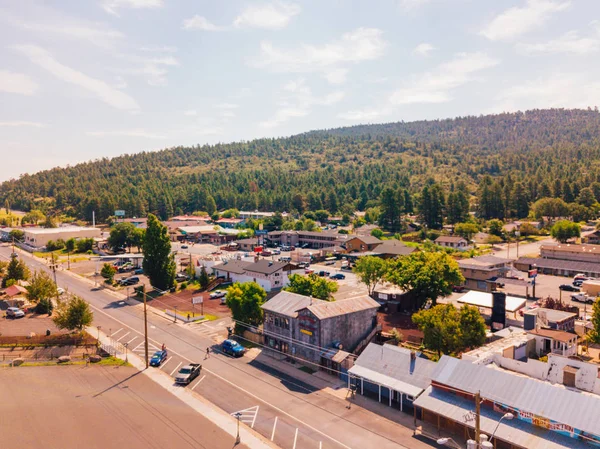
(141, 223)
(549, 318)
(247, 244)
(393, 299)
(481, 238)
(268, 274)
(554, 341)
(454, 242)
(389, 249)
(192, 218)
(322, 332)
(591, 237)
(483, 273)
(365, 230)
(362, 243)
(546, 416)
(395, 376)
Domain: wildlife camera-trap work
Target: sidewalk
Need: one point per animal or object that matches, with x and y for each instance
(250, 438)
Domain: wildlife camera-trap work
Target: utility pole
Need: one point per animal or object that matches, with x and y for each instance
(477, 417)
(53, 268)
(69, 260)
(145, 330)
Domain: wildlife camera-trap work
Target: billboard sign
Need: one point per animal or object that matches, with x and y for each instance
(119, 213)
(197, 300)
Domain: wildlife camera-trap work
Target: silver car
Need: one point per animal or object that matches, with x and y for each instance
(14, 312)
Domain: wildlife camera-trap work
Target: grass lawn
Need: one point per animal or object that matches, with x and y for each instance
(62, 256)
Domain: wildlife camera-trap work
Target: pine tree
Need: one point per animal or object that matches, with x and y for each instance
(520, 202)
(16, 270)
(159, 264)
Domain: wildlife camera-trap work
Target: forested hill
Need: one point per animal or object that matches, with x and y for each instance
(544, 152)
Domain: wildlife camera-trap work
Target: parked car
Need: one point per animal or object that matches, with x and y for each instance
(304, 246)
(285, 248)
(14, 312)
(458, 288)
(346, 268)
(188, 373)
(158, 358)
(582, 297)
(217, 294)
(267, 253)
(579, 282)
(308, 271)
(181, 277)
(569, 288)
(330, 262)
(232, 348)
(184, 247)
(323, 273)
(138, 271)
(60, 291)
(132, 280)
(337, 276)
(275, 252)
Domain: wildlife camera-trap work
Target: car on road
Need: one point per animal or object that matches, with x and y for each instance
(308, 271)
(158, 358)
(188, 373)
(337, 276)
(286, 248)
(132, 280)
(582, 297)
(267, 253)
(323, 273)
(330, 262)
(233, 348)
(346, 268)
(14, 312)
(60, 291)
(217, 294)
(569, 288)
(184, 247)
(458, 288)
(275, 252)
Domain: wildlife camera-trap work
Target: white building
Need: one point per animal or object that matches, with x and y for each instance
(39, 237)
(268, 274)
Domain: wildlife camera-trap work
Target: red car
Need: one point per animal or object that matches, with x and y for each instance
(458, 288)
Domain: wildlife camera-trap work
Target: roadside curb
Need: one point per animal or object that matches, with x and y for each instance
(214, 414)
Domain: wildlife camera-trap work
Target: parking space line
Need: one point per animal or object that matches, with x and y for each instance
(176, 368)
(167, 361)
(274, 426)
(255, 415)
(201, 379)
(123, 336)
(295, 438)
(129, 342)
(138, 346)
(115, 332)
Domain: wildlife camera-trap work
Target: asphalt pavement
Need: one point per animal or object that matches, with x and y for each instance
(292, 416)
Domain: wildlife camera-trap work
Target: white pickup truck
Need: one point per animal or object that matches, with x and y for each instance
(582, 297)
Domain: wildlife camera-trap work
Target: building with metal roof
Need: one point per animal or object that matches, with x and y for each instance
(268, 274)
(546, 415)
(558, 267)
(485, 300)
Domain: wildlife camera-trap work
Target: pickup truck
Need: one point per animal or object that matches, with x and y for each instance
(582, 297)
(188, 373)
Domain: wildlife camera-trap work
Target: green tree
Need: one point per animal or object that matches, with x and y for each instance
(84, 245)
(17, 234)
(391, 206)
(586, 197)
(16, 271)
(441, 328)
(594, 334)
(52, 245)
(549, 207)
(428, 275)
(564, 230)
(70, 244)
(159, 264)
(34, 217)
(245, 301)
(203, 279)
(50, 222)
(495, 227)
(108, 272)
(121, 236)
(322, 215)
(520, 203)
(41, 286)
(377, 233)
(312, 285)
(472, 326)
(136, 238)
(371, 270)
(466, 230)
(73, 314)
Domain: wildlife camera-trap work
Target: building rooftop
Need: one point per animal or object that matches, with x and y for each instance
(450, 239)
(483, 299)
(571, 248)
(509, 336)
(367, 239)
(288, 303)
(208, 229)
(233, 266)
(265, 266)
(562, 336)
(560, 264)
(555, 316)
(59, 229)
(395, 248)
(330, 309)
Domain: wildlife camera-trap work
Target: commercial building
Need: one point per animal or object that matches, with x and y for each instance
(322, 332)
(558, 267)
(39, 237)
(549, 318)
(482, 273)
(566, 251)
(309, 239)
(362, 243)
(546, 416)
(268, 274)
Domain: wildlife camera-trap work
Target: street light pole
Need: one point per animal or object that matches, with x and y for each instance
(145, 330)
(477, 417)
(53, 268)
(238, 415)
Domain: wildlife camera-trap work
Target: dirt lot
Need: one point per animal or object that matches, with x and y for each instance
(30, 323)
(183, 301)
(402, 323)
(97, 407)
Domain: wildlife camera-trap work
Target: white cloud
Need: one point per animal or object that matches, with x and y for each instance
(362, 44)
(80, 30)
(423, 49)
(227, 106)
(14, 124)
(100, 89)
(138, 132)
(365, 115)
(227, 114)
(435, 86)
(201, 23)
(120, 82)
(336, 76)
(190, 112)
(273, 16)
(569, 90)
(160, 49)
(112, 6)
(412, 4)
(568, 43)
(154, 69)
(297, 100)
(517, 21)
(17, 83)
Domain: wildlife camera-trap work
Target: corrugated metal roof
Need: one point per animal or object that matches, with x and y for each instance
(516, 432)
(266, 266)
(483, 299)
(560, 264)
(288, 303)
(558, 403)
(330, 309)
(386, 363)
(233, 266)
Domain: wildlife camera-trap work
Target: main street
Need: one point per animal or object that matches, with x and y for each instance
(276, 404)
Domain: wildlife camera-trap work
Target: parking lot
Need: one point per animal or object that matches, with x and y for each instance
(98, 407)
(38, 324)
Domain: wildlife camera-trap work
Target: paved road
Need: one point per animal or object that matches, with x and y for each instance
(98, 407)
(509, 251)
(321, 420)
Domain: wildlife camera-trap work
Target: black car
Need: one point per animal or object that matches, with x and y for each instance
(323, 273)
(569, 288)
(129, 281)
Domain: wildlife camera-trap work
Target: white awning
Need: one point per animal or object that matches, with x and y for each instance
(386, 381)
(483, 299)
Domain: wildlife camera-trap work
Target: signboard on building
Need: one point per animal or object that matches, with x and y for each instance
(119, 213)
(197, 300)
(306, 331)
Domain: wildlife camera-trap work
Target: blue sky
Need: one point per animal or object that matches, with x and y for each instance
(82, 80)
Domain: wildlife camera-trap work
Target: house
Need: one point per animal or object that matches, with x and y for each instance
(247, 244)
(192, 218)
(558, 267)
(395, 376)
(515, 225)
(362, 243)
(389, 249)
(567, 251)
(482, 273)
(141, 223)
(229, 223)
(554, 341)
(322, 332)
(454, 242)
(549, 318)
(591, 238)
(481, 238)
(546, 416)
(268, 274)
(15, 290)
(393, 299)
(39, 237)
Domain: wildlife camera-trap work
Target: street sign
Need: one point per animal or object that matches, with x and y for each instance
(119, 213)
(197, 300)
(533, 273)
(260, 232)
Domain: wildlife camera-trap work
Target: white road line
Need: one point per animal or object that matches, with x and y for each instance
(255, 415)
(201, 379)
(177, 367)
(129, 342)
(115, 332)
(295, 438)
(274, 407)
(167, 361)
(138, 346)
(320, 445)
(274, 426)
(123, 336)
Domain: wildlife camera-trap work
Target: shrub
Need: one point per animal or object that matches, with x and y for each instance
(44, 306)
(183, 286)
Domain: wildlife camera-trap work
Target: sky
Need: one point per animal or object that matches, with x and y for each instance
(84, 80)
